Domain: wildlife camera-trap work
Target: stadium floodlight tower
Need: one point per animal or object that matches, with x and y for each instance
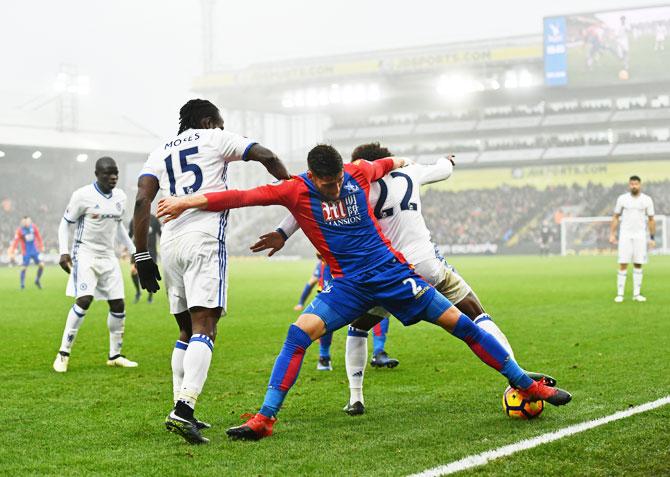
(69, 85)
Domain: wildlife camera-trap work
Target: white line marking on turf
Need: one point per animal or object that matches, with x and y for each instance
(486, 457)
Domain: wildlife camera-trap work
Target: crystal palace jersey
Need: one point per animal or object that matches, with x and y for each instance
(396, 203)
(97, 216)
(344, 231)
(195, 161)
(29, 238)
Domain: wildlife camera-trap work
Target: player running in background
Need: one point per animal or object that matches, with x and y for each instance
(152, 237)
(330, 203)
(635, 212)
(97, 210)
(28, 236)
(397, 204)
(193, 248)
(309, 286)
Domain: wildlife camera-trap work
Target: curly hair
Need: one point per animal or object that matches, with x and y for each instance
(370, 152)
(193, 112)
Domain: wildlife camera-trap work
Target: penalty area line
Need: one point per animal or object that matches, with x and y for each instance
(486, 457)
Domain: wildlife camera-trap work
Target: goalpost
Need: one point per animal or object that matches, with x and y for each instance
(590, 236)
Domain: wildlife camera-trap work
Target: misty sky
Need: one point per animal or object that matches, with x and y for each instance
(141, 55)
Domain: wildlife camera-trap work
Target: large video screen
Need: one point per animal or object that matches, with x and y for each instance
(607, 47)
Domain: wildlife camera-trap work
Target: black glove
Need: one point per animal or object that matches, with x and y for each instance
(147, 271)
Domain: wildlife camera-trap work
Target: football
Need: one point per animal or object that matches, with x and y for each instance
(516, 406)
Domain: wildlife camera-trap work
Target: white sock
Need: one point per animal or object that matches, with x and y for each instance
(197, 358)
(178, 367)
(356, 357)
(637, 281)
(621, 282)
(116, 324)
(487, 324)
(75, 318)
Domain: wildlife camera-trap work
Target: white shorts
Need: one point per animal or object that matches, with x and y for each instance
(444, 278)
(96, 275)
(633, 249)
(195, 272)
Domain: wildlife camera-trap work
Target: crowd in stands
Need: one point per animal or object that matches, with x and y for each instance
(510, 217)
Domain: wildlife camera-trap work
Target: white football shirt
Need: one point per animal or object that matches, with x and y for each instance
(97, 217)
(634, 212)
(195, 161)
(396, 202)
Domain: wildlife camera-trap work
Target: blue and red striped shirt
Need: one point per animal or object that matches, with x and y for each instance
(344, 231)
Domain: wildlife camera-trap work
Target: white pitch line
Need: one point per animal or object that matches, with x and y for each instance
(485, 457)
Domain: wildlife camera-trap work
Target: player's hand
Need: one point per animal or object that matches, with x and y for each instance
(452, 159)
(147, 272)
(652, 244)
(613, 240)
(169, 208)
(274, 241)
(65, 262)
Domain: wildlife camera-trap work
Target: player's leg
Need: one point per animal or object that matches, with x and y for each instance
(38, 277)
(110, 288)
(116, 323)
(136, 282)
(639, 259)
(309, 286)
(410, 298)
(319, 317)
(73, 322)
(24, 269)
(197, 358)
(324, 363)
(356, 356)
(81, 284)
(625, 256)
(185, 332)
(195, 269)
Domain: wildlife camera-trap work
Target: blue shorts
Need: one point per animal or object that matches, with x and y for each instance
(34, 256)
(392, 285)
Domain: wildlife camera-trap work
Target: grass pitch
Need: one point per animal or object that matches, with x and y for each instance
(441, 404)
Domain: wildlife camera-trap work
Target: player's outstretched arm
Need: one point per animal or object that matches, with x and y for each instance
(270, 161)
(281, 193)
(441, 170)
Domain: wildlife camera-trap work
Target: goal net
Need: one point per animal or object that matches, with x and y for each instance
(590, 236)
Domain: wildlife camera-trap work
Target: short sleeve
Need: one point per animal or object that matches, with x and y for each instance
(75, 208)
(232, 146)
(650, 208)
(153, 167)
(618, 208)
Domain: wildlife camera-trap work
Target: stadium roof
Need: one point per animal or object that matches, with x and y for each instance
(35, 122)
(256, 86)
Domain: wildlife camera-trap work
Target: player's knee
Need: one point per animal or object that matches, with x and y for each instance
(312, 325)
(470, 306)
(116, 306)
(84, 302)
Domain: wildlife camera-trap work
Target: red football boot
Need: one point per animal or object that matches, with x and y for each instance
(539, 390)
(255, 428)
